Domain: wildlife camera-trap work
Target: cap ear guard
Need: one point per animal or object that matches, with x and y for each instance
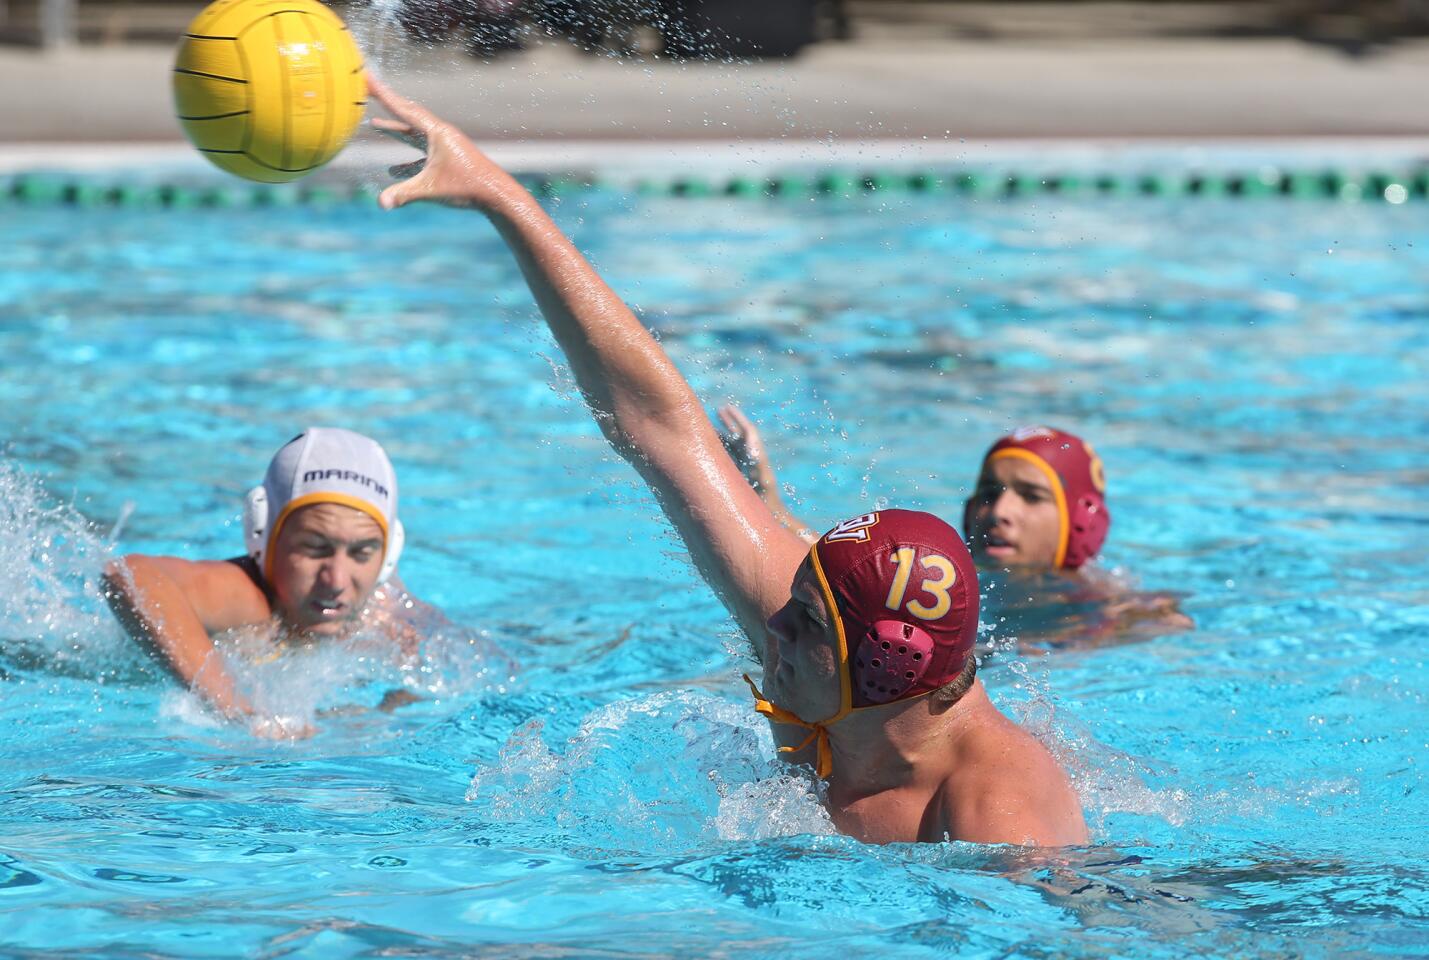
(890, 659)
(255, 524)
(394, 552)
(255, 534)
(1088, 522)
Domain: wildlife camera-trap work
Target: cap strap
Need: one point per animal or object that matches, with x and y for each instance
(836, 615)
(817, 733)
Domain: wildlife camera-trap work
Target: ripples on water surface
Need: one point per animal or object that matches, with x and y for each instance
(1254, 374)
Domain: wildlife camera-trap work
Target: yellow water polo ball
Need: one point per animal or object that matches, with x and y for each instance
(269, 90)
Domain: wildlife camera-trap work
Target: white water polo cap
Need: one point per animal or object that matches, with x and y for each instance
(324, 465)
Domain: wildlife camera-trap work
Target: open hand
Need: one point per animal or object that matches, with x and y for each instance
(1159, 611)
(745, 445)
(742, 440)
(453, 171)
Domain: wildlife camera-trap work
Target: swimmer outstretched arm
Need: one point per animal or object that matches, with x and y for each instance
(643, 405)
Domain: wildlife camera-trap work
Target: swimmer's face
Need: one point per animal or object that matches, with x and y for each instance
(1012, 516)
(801, 660)
(325, 565)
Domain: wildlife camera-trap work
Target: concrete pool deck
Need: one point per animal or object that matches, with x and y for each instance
(899, 92)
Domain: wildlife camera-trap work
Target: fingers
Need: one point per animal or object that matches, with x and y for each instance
(414, 114)
(392, 126)
(401, 194)
(735, 449)
(748, 432)
(743, 423)
(400, 131)
(727, 419)
(391, 198)
(412, 185)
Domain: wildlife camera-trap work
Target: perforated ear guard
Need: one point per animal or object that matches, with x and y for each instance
(255, 534)
(255, 524)
(1089, 522)
(890, 659)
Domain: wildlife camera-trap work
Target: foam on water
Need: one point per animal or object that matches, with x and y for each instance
(675, 769)
(51, 561)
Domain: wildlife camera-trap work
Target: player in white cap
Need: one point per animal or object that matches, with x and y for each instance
(323, 542)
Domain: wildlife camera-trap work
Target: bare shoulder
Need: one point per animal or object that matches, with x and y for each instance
(1008, 788)
(223, 593)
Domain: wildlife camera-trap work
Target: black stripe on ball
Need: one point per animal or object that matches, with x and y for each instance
(209, 76)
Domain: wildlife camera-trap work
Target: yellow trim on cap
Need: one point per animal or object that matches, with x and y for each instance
(307, 500)
(845, 684)
(819, 732)
(1058, 494)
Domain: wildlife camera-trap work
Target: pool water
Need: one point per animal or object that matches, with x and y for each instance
(1255, 374)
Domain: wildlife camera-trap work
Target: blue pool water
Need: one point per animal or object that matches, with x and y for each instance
(1255, 373)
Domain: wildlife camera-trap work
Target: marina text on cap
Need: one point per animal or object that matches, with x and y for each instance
(324, 465)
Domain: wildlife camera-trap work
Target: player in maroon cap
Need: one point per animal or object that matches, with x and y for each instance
(1040, 500)
(1039, 505)
(865, 637)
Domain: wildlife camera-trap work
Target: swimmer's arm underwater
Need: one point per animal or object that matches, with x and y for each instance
(170, 606)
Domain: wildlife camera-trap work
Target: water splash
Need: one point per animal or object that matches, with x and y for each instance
(1107, 781)
(52, 614)
(657, 774)
(776, 806)
(304, 684)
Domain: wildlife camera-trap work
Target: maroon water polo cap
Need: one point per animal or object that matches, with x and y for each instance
(1078, 481)
(904, 593)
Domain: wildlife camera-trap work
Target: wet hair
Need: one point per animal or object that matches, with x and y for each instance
(954, 690)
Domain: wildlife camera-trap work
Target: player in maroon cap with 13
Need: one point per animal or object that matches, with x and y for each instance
(1040, 500)
(865, 637)
(1038, 514)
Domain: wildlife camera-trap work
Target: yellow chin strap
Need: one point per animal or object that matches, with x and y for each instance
(818, 732)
